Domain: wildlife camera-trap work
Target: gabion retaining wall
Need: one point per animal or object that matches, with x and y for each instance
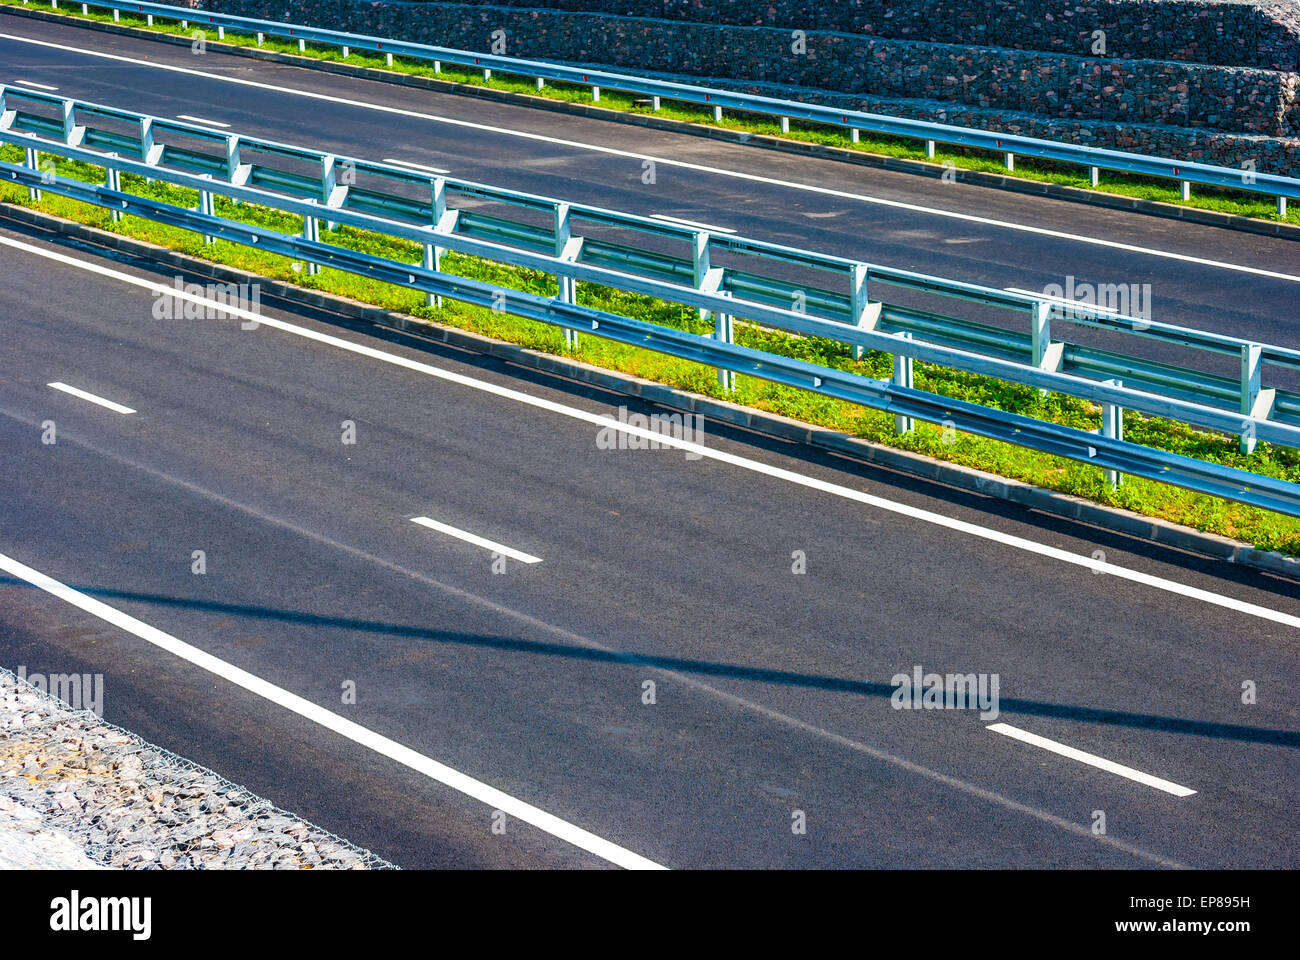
(1167, 107)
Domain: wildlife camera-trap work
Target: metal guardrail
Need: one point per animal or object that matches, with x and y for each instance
(331, 188)
(1010, 146)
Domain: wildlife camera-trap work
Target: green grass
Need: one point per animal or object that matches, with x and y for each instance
(1264, 529)
(1238, 203)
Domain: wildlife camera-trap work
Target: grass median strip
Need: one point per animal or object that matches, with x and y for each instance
(1262, 528)
(1236, 203)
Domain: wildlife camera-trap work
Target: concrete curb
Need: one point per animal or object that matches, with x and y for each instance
(920, 167)
(774, 425)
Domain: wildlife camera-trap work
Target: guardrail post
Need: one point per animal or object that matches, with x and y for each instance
(236, 172)
(332, 193)
(33, 163)
(654, 104)
(540, 82)
(854, 135)
(865, 314)
(929, 149)
(261, 38)
(1010, 161)
(148, 19)
(113, 181)
(437, 66)
(73, 133)
(207, 207)
(1256, 403)
(221, 31)
(595, 94)
(1281, 206)
(1094, 176)
(346, 50)
(724, 331)
(785, 124)
(708, 279)
(85, 10)
(717, 114)
(311, 233)
(567, 247)
(1112, 425)
(444, 221)
(1046, 354)
(487, 74)
(302, 45)
(1186, 190)
(150, 152)
(117, 16)
(903, 378)
(388, 60)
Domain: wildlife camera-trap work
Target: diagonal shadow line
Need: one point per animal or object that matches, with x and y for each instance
(1138, 721)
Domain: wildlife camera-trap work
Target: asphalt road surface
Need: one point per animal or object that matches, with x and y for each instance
(621, 638)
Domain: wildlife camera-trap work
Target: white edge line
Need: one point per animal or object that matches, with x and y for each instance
(681, 164)
(380, 744)
(90, 396)
(1101, 763)
(607, 421)
(477, 540)
(423, 168)
(210, 123)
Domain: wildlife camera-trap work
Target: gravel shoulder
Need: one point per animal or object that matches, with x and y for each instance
(79, 793)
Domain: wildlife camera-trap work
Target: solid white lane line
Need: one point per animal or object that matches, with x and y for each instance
(415, 166)
(1101, 763)
(691, 223)
(476, 540)
(91, 397)
(445, 775)
(604, 421)
(206, 123)
(681, 164)
(38, 86)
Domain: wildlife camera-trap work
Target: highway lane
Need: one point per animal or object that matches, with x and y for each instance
(877, 215)
(772, 688)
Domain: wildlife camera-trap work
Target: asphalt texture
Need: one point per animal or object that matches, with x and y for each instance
(771, 688)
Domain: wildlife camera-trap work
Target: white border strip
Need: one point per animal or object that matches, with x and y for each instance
(117, 407)
(432, 769)
(1101, 763)
(476, 540)
(605, 421)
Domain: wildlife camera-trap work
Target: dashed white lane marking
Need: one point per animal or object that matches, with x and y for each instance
(203, 121)
(477, 540)
(605, 421)
(415, 166)
(91, 397)
(691, 223)
(680, 164)
(1091, 759)
(38, 86)
(380, 744)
